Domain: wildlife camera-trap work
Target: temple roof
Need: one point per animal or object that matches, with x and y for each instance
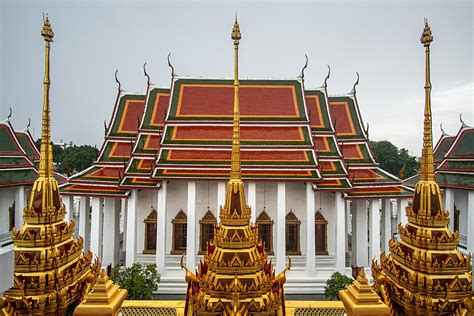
(185, 132)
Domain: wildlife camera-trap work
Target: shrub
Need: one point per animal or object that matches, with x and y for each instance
(140, 280)
(334, 284)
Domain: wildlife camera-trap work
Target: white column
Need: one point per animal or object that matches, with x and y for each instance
(191, 232)
(348, 223)
(19, 206)
(110, 251)
(68, 201)
(359, 215)
(220, 198)
(124, 205)
(310, 233)
(401, 210)
(161, 230)
(280, 231)
(386, 224)
(470, 224)
(131, 227)
(340, 233)
(374, 229)
(96, 226)
(449, 206)
(84, 221)
(252, 194)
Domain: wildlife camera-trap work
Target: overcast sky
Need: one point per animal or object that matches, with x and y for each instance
(379, 39)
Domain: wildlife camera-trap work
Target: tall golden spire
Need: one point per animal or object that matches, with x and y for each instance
(427, 162)
(45, 193)
(235, 163)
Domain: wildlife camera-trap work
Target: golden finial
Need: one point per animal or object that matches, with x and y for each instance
(47, 31)
(236, 36)
(427, 161)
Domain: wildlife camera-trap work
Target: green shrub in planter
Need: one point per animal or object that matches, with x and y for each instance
(334, 284)
(140, 280)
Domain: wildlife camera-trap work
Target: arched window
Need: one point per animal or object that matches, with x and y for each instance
(456, 218)
(180, 230)
(207, 223)
(150, 232)
(321, 229)
(265, 231)
(292, 232)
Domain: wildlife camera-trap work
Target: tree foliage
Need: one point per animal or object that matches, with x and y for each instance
(72, 159)
(334, 284)
(396, 161)
(140, 280)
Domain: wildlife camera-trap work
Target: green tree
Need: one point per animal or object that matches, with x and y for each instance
(77, 158)
(334, 284)
(141, 281)
(57, 150)
(396, 161)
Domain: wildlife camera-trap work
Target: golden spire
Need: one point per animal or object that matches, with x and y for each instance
(235, 162)
(427, 162)
(45, 194)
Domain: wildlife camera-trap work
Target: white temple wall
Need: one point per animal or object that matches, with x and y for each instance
(176, 199)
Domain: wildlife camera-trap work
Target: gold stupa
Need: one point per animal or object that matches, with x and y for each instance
(425, 273)
(235, 277)
(52, 274)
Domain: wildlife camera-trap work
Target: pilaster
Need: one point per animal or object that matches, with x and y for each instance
(19, 206)
(131, 227)
(161, 229)
(386, 224)
(470, 223)
(96, 226)
(220, 197)
(402, 203)
(191, 227)
(68, 201)
(340, 233)
(449, 206)
(84, 221)
(252, 200)
(374, 228)
(110, 251)
(310, 233)
(360, 252)
(280, 229)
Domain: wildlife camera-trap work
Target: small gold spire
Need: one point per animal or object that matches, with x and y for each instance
(235, 161)
(427, 162)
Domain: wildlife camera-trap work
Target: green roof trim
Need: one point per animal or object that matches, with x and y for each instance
(457, 180)
(365, 153)
(140, 149)
(332, 148)
(467, 165)
(14, 162)
(133, 167)
(339, 169)
(7, 143)
(465, 145)
(443, 148)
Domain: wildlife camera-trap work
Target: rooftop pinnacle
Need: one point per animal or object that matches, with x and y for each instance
(47, 31)
(236, 30)
(426, 37)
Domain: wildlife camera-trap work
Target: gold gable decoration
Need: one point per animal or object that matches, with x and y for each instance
(235, 277)
(425, 273)
(51, 274)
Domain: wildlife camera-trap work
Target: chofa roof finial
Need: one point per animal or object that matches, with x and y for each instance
(173, 74)
(118, 82)
(9, 114)
(304, 68)
(146, 74)
(325, 84)
(355, 84)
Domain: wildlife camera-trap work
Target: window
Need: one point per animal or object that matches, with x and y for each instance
(456, 218)
(207, 223)
(180, 230)
(150, 232)
(292, 232)
(265, 231)
(321, 228)
(11, 215)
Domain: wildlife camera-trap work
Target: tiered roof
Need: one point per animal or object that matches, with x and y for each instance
(367, 178)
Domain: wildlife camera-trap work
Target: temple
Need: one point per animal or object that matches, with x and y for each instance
(51, 273)
(310, 178)
(425, 273)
